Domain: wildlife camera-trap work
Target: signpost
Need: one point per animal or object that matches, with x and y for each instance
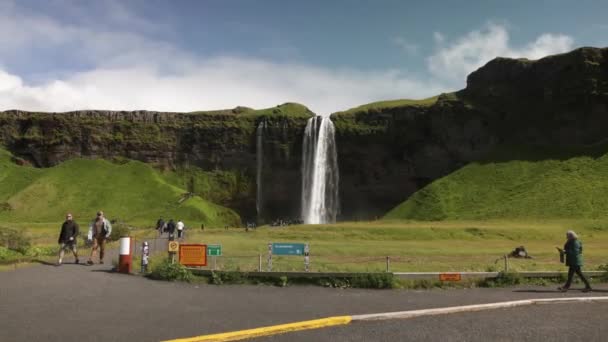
(193, 255)
(214, 251)
(284, 248)
(173, 248)
(288, 248)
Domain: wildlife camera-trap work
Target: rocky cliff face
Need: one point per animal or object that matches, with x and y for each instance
(211, 141)
(385, 153)
(388, 153)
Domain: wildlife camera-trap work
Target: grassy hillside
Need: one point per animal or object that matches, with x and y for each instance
(391, 104)
(572, 187)
(133, 192)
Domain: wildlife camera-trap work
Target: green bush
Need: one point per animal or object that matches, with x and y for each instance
(604, 276)
(119, 229)
(503, 279)
(38, 251)
(373, 281)
(15, 240)
(8, 255)
(169, 271)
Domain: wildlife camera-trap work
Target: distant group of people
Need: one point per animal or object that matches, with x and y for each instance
(287, 222)
(170, 228)
(100, 230)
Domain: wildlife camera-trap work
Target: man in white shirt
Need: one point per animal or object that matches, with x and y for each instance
(180, 229)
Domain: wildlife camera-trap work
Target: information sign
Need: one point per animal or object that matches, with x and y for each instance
(214, 250)
(193, 255)
(288, 248)
(450, 277)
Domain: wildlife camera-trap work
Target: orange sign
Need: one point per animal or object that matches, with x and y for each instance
(193, 255)
(450, 277)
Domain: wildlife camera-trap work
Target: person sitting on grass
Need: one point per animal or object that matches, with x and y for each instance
(100, 229)
(67, 238)
(574, 260)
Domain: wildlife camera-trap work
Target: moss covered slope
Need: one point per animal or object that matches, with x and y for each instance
(572, 187)
(133, 192)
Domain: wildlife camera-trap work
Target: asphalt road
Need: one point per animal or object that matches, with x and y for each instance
(77, 302)
(555, 322)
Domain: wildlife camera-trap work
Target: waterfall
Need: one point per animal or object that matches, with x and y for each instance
(319, 172)
(260, 165)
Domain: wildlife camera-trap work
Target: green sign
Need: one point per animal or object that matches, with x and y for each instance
(214, 250)
(289, 248)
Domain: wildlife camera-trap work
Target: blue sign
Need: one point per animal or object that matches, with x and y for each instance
(289, 248)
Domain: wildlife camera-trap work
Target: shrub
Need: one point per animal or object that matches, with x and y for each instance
(38, 251)
(7, 255)
(373, 281)
(15, 240)
(169, 271)
(503, 279)
(604, 276)
(119, 229)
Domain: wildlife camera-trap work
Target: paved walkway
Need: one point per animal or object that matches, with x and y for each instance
(77, 302)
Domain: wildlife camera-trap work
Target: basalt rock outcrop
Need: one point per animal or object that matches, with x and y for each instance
(386, 154)
(220, 140)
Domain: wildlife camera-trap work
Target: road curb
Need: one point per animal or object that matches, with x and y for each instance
(344, 320)
(271, 330)
(472, 308)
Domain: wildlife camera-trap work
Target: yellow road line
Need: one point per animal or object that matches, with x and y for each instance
(271, 330)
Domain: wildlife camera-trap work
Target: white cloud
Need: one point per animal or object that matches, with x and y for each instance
(438, 37)
(216, 83)
(406, 46)
(130, 70)
(454, 61)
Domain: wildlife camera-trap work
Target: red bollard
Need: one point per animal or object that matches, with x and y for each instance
(125, 257)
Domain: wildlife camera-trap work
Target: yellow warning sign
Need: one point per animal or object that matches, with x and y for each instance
(173, 246)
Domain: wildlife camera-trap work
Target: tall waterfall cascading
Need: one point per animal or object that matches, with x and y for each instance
(260, 166)
(320, 176)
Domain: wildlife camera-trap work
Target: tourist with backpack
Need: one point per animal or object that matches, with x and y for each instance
(100, 230)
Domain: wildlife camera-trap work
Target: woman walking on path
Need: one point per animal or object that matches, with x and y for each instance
(574, 260)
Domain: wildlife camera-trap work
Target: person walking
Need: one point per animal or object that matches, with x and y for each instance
(145, 254)
(67, 238)
(160, 226)
(100, 230)
(171, 229)
(573, 249)
(180, 229)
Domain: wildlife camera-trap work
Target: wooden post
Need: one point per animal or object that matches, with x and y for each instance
(259, 262)
(506, 263)
(388, 264)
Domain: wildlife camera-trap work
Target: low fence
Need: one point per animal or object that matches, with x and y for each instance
(442, 276)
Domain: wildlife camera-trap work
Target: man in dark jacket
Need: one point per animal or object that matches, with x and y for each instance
(67, 238)
(171, 229)
(573, 249)
(160, 226)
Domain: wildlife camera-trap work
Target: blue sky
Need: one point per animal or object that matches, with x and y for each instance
(330, 55)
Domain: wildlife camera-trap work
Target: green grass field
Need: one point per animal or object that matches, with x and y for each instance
(132, 192)
(391, 104)
(412, 246)
(561, 188)
(463, 222)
